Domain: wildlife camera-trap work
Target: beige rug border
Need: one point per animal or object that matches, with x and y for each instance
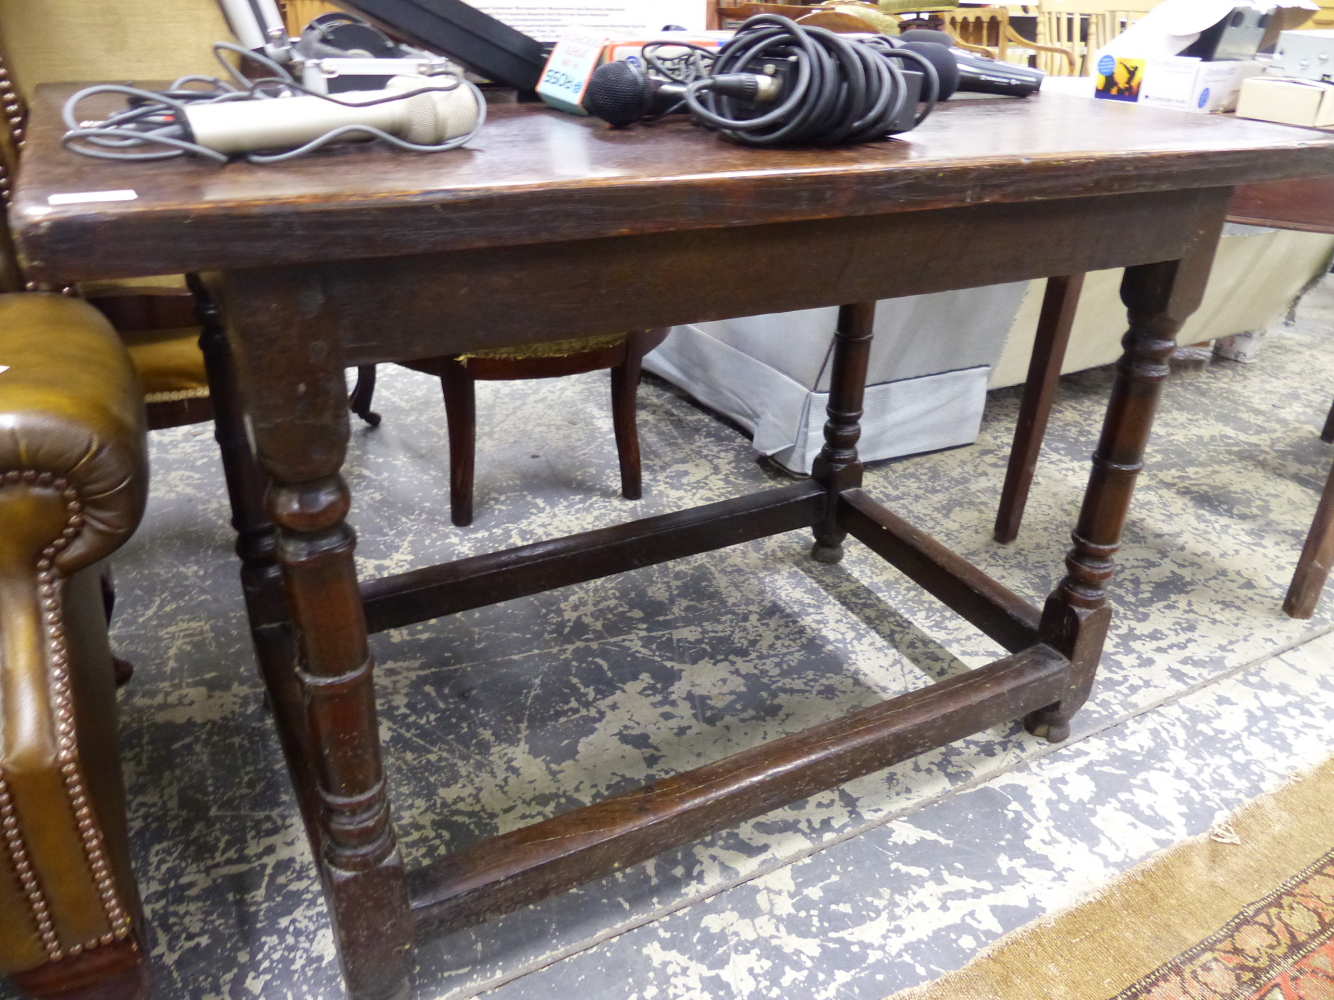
(1156, 910)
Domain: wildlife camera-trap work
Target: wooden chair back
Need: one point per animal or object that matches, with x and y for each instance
(1083, 27)
(987, 31)
(981, 29)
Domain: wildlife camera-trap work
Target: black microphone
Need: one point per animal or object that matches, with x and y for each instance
(942, 59)
(981, 76)
(621, 93)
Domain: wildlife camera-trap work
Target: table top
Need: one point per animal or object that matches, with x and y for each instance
(536, 175)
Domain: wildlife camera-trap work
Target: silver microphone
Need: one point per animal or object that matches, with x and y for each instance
(425, 119)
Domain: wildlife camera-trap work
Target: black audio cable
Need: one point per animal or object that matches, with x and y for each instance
(838, 90)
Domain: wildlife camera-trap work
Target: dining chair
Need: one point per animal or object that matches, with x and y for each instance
(623, 353)
(1056, 320)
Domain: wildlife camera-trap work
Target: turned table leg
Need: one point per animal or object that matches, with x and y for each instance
(1158, 298)
(256, 545)
(837, 467)
(290, 372)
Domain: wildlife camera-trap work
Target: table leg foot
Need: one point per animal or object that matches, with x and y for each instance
(1079, 633)
(828, 553)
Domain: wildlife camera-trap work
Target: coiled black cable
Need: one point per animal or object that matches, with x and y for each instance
(843, 90)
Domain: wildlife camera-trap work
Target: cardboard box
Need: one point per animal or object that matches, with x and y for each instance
(1288, 102)
(1145, 59)
(1184, 83)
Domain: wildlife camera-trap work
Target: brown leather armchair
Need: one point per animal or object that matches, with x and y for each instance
(73, 478)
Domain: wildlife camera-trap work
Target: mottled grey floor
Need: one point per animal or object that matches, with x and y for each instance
(1207, 697)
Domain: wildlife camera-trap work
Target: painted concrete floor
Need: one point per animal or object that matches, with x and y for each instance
(495, 718)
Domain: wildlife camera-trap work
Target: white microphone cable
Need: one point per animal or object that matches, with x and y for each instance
(185, 119)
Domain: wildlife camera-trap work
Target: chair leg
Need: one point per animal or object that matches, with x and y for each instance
(1044, 369)
(624, 393)
(1317, 554)
(360, 400)
(1327, 435)
(456, 382)
(123, 669)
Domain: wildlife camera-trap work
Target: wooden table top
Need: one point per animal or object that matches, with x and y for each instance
(535, 175)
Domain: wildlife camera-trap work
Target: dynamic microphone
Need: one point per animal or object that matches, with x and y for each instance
(981, 76)
(621, 93)
(942, 59)
(427, 119)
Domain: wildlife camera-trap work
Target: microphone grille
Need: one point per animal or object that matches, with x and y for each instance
(618, 93)
(439, 116)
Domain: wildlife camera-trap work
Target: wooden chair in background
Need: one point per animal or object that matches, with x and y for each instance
(1083, 27)
(987, 30)
(1053, 335)
(622, 353)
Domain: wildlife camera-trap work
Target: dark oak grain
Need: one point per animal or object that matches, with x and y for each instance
(1306, 204)
(535, 175)
(517, 868)
(697, 275)
(992, 607)
(477, 581)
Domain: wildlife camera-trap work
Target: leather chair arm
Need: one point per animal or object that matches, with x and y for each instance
(71, 409)
(73, 480)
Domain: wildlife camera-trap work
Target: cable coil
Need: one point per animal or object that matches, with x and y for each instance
(843, 90)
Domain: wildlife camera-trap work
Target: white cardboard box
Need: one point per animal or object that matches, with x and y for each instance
(1185, 83)
(1289, 102)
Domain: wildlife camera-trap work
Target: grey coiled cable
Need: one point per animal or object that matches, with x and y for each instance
(844, 91)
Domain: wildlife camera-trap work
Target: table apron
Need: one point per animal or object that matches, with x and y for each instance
(428, 305)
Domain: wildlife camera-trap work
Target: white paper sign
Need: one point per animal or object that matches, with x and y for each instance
(547, 20)
(572, 62)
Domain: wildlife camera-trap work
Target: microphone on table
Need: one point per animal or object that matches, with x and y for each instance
(981, 76)
(621, 93)
(429, 118)
(939, 56)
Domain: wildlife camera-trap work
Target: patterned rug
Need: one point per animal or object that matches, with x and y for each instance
(1280, 948)
(1245, 912)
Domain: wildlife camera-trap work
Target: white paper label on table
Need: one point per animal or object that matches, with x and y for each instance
(571, 64)
(84, 197)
